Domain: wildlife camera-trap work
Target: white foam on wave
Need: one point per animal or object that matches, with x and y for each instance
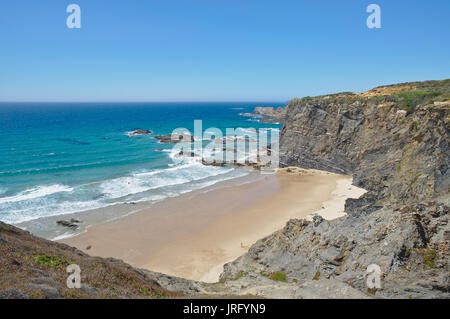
(44, 207)
(63, 236)
(145, 181)
(197, 186)
(36, 192)
(184, 175)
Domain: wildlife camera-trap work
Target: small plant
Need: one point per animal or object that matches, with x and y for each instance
(408, 252)
(428, 257)
(278, 276)
(239, 275)
(372, 291)
(8, 230)
(317, 276)
(410, 99)
(147, 292)
(51, 261)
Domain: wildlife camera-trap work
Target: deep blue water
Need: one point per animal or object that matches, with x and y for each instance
(59, 158)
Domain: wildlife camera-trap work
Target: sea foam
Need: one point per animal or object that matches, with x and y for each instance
(36, 192)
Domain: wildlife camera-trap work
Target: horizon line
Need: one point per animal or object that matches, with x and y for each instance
(178, 101)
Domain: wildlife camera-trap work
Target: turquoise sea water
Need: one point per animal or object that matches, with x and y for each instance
(61, 158)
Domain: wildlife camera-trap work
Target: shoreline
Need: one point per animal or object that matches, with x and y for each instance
(194, 235)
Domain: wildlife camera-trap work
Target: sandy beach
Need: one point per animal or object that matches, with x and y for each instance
(195, 234)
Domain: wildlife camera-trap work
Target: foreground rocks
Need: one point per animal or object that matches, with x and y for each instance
(410, 248)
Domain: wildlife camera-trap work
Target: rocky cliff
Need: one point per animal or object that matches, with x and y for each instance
(268, 114)
(394, 140)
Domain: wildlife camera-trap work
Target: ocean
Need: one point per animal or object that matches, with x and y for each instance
(64, 158)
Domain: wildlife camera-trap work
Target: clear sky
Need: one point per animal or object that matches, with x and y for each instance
(216, 50)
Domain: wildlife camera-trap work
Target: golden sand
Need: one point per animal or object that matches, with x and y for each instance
(194, 235)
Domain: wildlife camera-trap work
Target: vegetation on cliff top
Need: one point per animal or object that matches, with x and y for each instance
(407, 96)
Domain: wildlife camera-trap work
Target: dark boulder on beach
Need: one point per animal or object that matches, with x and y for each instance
(66, 223)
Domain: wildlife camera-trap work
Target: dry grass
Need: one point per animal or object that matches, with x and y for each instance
(31, 267)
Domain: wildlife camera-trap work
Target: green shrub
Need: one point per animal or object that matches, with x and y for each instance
(428, 257)
(410, 99)
(239, 275)
(51, 261)
(372, 291)
(278, 276)
(147, 292)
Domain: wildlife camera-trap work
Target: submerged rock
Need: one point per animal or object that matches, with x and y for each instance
(66, 223)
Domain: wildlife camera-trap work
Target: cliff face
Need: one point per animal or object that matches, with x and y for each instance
(397, 156)
(395, 142)
(270, 114)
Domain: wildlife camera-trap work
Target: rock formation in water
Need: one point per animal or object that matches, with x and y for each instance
(173, 139)
(139, 132)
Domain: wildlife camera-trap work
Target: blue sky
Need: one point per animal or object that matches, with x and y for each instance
(216, 50)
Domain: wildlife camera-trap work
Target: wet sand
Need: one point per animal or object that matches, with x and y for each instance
(193, 235)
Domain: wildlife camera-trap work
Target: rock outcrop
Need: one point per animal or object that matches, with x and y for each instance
(268, 114)
(70, 224)
(169, 139)
(395, 142)
(139, 132)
